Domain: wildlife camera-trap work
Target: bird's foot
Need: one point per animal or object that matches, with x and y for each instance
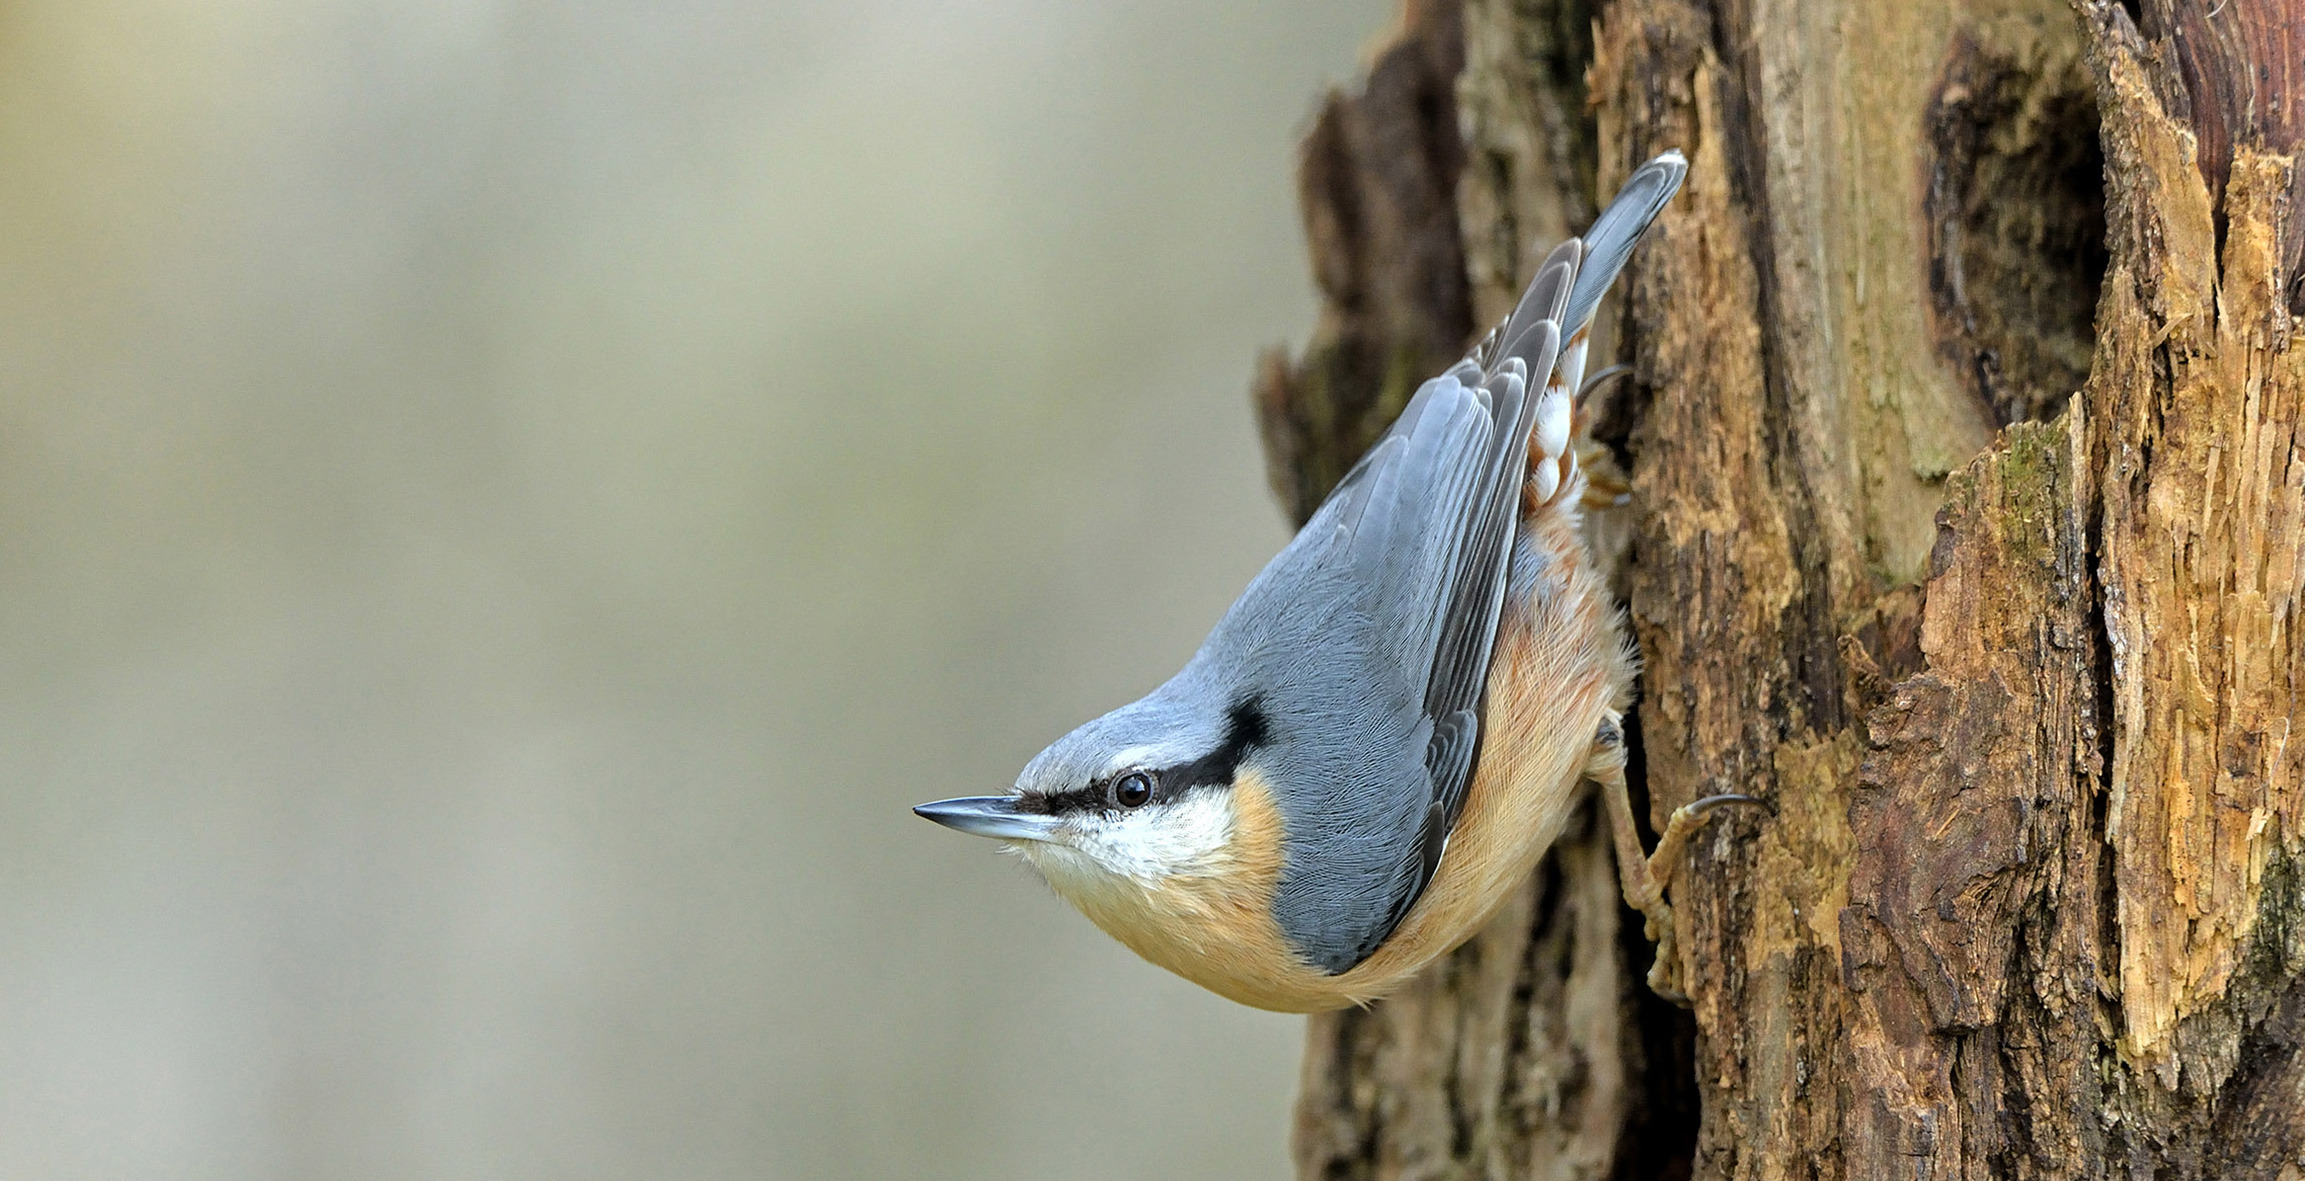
(1605, 484)
(1646, 877)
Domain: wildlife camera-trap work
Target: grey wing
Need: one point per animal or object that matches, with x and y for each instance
(1547, 324)
(1416, 540)
(1467, 629)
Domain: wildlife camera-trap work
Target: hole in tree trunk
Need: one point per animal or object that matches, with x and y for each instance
(2016, 206)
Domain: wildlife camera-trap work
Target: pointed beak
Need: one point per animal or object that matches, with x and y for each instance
(990, 816)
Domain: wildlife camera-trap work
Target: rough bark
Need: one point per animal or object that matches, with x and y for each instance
(1967, 527)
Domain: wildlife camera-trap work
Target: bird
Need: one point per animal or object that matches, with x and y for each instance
(1385, 732)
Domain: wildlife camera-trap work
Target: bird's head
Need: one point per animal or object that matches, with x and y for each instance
(1155, 822)
(1137, 798)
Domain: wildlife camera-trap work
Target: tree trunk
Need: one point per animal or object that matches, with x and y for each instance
(1967, 528)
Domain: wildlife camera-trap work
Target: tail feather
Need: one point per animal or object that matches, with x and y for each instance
(1597, 259)
(1614, 234)
(1598, 256)
(1608, 246)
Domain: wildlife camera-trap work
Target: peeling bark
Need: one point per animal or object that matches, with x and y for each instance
(1968, 528)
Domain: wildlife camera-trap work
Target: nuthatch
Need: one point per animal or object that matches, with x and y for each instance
(1388, 729)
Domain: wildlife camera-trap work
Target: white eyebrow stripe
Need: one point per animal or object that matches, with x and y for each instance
(1135, 756)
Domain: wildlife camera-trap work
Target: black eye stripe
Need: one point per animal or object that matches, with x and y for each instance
(1246, 727)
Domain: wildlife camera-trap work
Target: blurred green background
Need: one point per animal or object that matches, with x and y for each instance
(504, 505)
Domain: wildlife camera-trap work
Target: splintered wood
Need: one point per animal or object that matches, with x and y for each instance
(2199, 384)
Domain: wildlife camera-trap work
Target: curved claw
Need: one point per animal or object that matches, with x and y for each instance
(1602, 378)
(1647, 876)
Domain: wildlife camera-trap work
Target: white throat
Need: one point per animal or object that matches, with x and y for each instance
(1188, 837)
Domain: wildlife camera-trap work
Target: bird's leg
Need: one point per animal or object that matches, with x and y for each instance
(1645, 877)
(1605, 483)
(1605, 486)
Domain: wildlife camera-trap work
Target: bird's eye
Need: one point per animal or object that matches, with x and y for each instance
(1133, 790)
